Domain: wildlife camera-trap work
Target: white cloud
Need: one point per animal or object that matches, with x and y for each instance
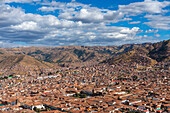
(47, 8)
(150, 6)
(145, 36)
(151, 31)
(158, 21)
(34, 29)
(26, 26)
(10, 15)
(80, 12)
(126, 19)
(97, 15)
(135, 22)
(167, 36)
(88, 16)
(8, 44)
(127, 30)
(157, 35)
(76, 24)
(19, 1)
(122, 33)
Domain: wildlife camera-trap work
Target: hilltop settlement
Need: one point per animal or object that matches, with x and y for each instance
(132, 80)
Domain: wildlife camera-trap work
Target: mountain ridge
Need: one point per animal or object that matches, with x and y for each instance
(156, 52)
(22, 63)
(75, 53)
(41, 58)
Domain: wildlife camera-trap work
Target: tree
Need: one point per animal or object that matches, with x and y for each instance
(49, 73)
(36, 109)
(134, 77)
(11, 75)
(118, 98)
(47, 109)
(5, 77)
(128, 91)
(83, 96)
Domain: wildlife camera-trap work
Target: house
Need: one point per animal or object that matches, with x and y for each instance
(31, 106)
(134, 102)
(10, 101)
(53, 107)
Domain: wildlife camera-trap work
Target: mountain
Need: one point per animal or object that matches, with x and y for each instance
(66, 54)
(21, 64)
(160, 51)
(25, 59)
(148, 54)
(131, 56)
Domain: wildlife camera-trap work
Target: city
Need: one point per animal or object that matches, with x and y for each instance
(96, 88)
(84, 56)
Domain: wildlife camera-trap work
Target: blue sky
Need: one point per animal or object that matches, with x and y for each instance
(83, 22)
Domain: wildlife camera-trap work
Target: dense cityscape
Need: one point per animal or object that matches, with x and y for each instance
(84, 56)
(127, 87)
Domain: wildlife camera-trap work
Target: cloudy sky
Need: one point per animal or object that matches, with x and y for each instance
(83, 22)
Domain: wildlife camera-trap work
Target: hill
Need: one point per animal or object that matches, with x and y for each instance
(39, 59)
(131, 56)
(147, 55)
(66, 54)
(22, 64)
(160, 51)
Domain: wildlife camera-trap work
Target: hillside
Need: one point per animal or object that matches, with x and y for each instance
(66, 54)
(21, 64)
(39, 59)
(131, 56)
(160, 51)
(147, 55)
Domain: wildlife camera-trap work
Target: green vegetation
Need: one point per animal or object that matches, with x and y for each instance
(36, 109)
(79, 53)
(2, 78)
(79, 95)
(134, 78)
(134, 112)
(94, 107)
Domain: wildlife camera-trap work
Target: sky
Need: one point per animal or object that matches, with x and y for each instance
(51, 23)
